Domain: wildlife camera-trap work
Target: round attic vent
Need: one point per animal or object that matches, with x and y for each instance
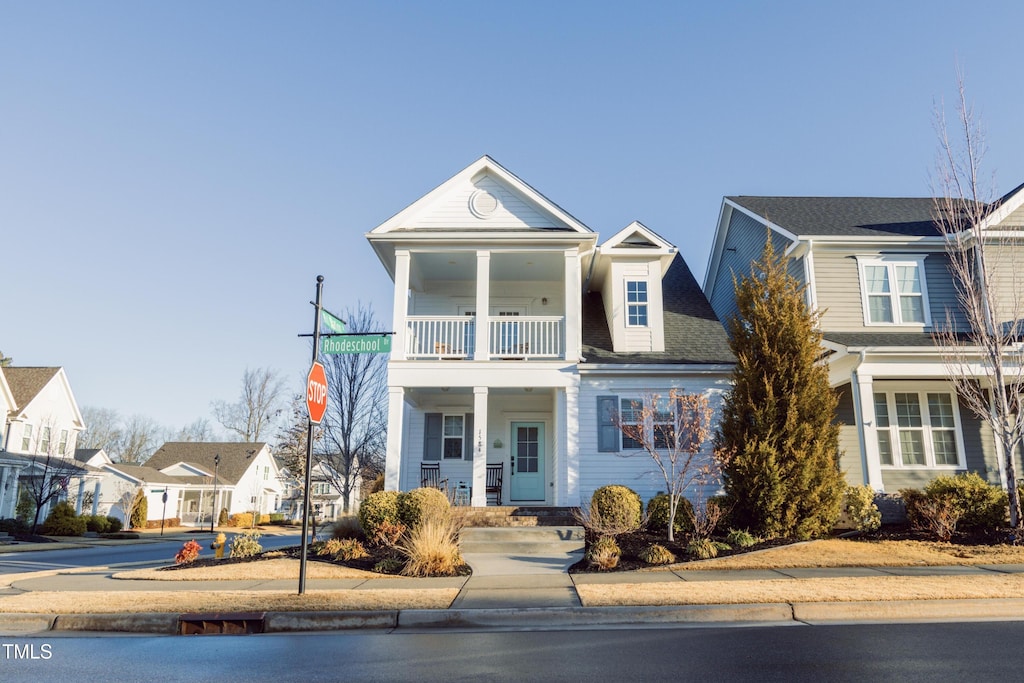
(483, 204)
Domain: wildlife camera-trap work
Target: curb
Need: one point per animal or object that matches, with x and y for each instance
(548, 618)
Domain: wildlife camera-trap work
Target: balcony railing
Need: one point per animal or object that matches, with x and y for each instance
(510, 337)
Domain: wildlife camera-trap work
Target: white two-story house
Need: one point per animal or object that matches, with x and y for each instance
(518, 336)
(878, 270)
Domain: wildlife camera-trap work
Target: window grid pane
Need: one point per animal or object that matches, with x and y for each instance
(908, 410)
(884, 447)
(912, 446)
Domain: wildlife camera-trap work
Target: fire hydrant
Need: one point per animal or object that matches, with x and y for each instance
(218, 545)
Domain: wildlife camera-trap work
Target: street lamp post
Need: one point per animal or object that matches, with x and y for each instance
(216, 465)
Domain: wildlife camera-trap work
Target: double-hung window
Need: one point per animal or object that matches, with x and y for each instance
(63, 443)
(636, 303)
(631, 415)
(657, 424)
(454, 432)
(44, 440)
(894, 290)
(26, 438)
(917, 429)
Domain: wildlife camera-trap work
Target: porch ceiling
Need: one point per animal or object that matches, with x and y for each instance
(514, 266)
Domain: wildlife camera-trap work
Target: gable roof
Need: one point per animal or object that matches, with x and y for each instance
(150, 475)
(235, 457)
(693, 333)
(26, 383)
(845, 216)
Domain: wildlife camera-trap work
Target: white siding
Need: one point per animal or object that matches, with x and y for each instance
(638, 472)
(515, 212)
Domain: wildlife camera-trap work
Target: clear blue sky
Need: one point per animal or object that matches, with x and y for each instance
(173, 176)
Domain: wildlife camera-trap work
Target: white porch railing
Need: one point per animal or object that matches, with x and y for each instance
(454, 337)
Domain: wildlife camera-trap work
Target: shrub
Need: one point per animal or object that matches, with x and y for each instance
(340, 549)
(188, 553)
(432, 548)
(418, 504)
(246, 544)
(657, 554)
(375, 510)
(62, 521)
(378, 484)
(721, 547)
(618, 509)
(861, 508)
(140, 510)
(240, 519)
(740, 538)
(157, 523)
(114, 525)
(702, 549)
(97, 524)
(604, 553)
(13, 527)
(389, 565)
(277, 518)
(939, 515)
(346, 526)
(657, 514)
(223, 517)
(980, 505)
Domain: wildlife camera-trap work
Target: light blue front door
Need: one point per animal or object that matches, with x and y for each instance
(527, 466)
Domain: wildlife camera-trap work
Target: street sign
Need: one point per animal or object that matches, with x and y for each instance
(316, 393)
(356, 343)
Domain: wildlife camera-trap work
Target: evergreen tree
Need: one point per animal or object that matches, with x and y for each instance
(778, 424)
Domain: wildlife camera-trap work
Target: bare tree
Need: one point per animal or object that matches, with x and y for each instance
(355, 425)
(138, 439)
(291, 438)
(258, 406)
(672, 431)
(198, 430)
(102, 428)
(49, 473)
(985, 264)
(5, 361)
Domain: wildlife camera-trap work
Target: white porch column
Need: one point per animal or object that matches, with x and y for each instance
(568, 411)
(573, 305)
(479, 437)
(401, 303)
(483, 306)
(78, 496)
(96, 499)
(864, 402)
(5, 475)
(393, 454)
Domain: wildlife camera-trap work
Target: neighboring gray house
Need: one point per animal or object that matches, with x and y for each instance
(877, 268)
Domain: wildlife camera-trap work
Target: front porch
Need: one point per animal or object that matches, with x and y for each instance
(515, 516)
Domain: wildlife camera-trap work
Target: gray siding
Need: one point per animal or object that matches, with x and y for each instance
(1006, 278)
(744, 245)
(850, 459)
(942, 292)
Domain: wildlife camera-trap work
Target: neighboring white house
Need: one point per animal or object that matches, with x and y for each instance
(247, 478)
(41, 425)
(328, 503)
(518, 337)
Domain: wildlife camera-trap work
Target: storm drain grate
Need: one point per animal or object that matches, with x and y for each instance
(235, 623)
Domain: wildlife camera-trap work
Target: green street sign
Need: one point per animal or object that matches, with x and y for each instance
(357, 343)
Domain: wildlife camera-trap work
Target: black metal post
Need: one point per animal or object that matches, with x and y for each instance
(309, 445)
(216, 464)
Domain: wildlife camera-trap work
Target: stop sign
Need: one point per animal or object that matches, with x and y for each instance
(316, 393)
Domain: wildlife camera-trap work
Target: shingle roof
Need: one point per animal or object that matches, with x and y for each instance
(693, 333)
(865, 339)
(235, 457)
(26, 383)
(846, 216)
(151, 475)
(85, 454)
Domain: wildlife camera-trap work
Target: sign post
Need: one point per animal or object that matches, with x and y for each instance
(316, 404)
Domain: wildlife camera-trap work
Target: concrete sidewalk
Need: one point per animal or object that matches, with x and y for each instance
(522, 591)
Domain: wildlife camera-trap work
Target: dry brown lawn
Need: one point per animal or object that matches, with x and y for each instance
(855, 553)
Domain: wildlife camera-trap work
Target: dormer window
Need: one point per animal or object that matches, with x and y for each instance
(893, 291)
(636, 303)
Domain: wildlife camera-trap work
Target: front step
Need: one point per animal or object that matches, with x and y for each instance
(542, 540)
(516, 516)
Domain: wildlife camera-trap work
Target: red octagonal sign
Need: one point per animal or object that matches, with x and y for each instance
(316, 393)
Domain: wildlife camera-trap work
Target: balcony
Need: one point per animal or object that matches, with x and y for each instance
(430, 337)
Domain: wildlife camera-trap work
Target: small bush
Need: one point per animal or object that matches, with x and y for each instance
(618, 508)
(157, 523)
(418, 504)
(97, 524)
(223, 517)
(14, 527)
(246, 544)
(276, 518)
(861, 508)
(240, 519)
(721, 546)
(62, 521)
(375, 510)
(702, 549)
(340, 549)
(140, 510)
(980, 504)
(389, 565)
(604, 553)
(346, 527)
(378, 484)
(188, 553)
(432, 548)
(657, 554)
(740, 538)
(657, 514)
(114, 525)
